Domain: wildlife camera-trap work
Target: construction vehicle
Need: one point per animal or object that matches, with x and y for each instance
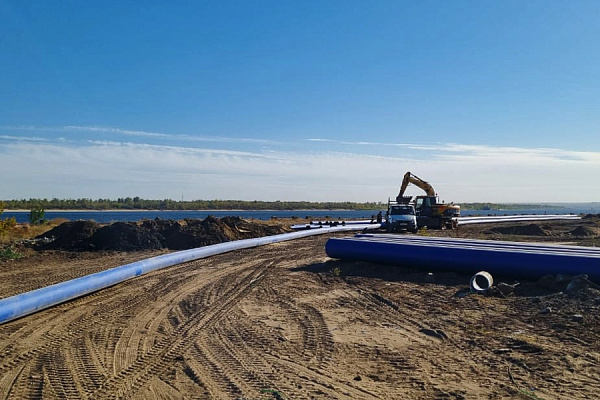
(429, 211)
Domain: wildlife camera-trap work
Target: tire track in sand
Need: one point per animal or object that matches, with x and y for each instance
(228, 290)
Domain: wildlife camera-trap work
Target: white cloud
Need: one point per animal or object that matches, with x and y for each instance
(458, 173)
(176, 149)
(114, 130)
(23, 138)
(463, 152)
(135, 133)
(515, 154)
(220, 139)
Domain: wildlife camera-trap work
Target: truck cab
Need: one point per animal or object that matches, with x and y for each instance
(401, 217)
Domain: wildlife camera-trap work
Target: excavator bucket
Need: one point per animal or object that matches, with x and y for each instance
(403, 199)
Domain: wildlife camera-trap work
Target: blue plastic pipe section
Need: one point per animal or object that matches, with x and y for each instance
(513, 218)
(481, 244)
(27, 303)
(524, 260)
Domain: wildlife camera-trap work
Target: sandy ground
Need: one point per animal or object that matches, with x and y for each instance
(286, 322)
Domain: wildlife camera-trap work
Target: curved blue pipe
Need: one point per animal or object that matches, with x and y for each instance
(510, 259)
(27, 303)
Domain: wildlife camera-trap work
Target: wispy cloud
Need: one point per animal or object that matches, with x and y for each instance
(469, 153)
(514, 154)
(23, 138)
(19, 128)
(180, 149)
(459, 172)
(184, 137)
(366, 143)
(77, 128)
(220, 139)
(114, 130)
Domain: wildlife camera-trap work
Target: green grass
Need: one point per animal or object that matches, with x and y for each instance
(9, 253)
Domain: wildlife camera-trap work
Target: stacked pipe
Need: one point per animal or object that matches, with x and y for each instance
(517, 259)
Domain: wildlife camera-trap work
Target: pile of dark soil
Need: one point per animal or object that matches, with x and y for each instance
(591, 216)
(528, 230)
(584, 231)
(125, 236)
(190, 233)
(72, 235)
(153, 234)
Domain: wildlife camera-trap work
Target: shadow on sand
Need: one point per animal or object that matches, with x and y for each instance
(350, 271)
(389, 273)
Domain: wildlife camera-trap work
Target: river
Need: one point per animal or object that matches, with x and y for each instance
(112, 216)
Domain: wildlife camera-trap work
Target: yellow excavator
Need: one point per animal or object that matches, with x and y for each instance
(429, 211)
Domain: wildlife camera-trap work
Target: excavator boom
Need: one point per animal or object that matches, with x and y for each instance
(415, 180)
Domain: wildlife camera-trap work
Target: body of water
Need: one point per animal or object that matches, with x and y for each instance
(112, 216)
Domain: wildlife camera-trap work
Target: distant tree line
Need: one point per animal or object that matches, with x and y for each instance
(500, 206)
(137, 203)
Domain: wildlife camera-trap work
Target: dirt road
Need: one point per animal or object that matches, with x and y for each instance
(284, 321)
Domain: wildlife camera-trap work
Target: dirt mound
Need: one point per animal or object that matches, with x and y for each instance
(72, 235)
(154, 234)
(125, 236)
(190, 233)
(528, 230)
(583, 231)
(591, 216)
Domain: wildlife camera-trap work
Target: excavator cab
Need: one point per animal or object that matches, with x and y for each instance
(424, 204)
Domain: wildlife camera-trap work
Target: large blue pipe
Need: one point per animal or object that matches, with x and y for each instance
(502, 258)
(27, 303)
(513, 218)
(453, 242)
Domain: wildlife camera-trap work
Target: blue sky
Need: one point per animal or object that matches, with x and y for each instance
(322, 101)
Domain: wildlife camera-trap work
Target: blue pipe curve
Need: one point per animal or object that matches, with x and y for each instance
(30, 302)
